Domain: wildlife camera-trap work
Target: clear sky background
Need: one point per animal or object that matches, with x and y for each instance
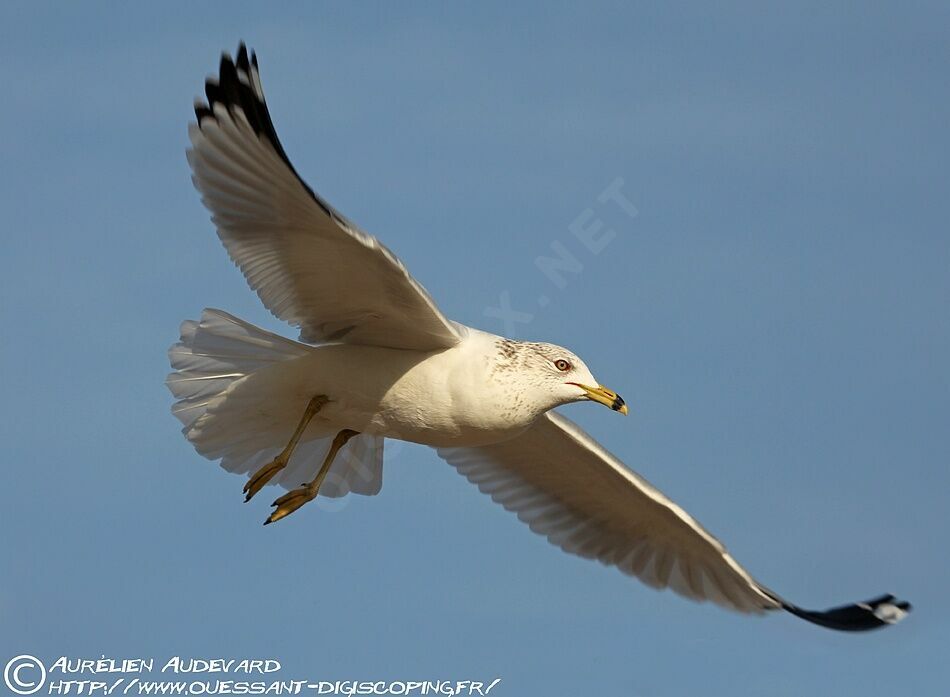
(776, 315)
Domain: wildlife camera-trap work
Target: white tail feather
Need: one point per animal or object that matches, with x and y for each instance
(220, 350)
(215, 352)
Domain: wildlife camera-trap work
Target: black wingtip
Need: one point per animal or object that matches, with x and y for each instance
(242, 60)
(857, 617)
(236, 92)
(202, 112)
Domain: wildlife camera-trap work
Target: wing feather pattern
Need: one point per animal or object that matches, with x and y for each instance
(568, 488)
(310, 266)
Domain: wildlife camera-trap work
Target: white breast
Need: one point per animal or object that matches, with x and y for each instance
(444, 398)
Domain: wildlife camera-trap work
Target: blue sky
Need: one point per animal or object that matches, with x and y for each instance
(775, 314)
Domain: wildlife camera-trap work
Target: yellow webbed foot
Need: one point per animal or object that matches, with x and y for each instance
(291, 501)
(260, 478)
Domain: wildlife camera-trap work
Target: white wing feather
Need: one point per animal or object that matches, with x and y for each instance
(567, 487)
(309, 265)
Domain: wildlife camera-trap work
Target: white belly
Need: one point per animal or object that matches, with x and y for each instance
(420, 397)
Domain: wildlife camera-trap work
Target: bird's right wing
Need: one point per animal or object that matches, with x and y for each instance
(566, 486)
(309, 265)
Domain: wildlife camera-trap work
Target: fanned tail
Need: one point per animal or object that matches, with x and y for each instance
(218, 351)
(213, 353)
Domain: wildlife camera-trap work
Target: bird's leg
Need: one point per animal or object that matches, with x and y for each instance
(292, 500)
(266, 473)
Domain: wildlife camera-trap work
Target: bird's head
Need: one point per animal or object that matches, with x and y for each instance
(557, 376)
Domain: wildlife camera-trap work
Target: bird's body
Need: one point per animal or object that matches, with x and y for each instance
(377, 359)
(458, 397)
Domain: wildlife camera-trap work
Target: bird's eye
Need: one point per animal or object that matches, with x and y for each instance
(562, 365)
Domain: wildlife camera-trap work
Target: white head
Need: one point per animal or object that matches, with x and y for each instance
(550, 375)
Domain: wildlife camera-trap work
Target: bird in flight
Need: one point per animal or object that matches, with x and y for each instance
(377, 359)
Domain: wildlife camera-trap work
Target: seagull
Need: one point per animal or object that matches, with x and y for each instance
(376, 359)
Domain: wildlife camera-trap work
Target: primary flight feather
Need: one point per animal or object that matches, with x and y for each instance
(377, 359)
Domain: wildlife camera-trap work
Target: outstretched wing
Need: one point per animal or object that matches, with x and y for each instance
(565, 486)
(309, 265)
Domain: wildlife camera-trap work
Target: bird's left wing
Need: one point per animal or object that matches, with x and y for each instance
(566, 486)
(309, 265)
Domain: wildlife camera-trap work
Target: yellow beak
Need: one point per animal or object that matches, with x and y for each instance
(608, 398)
